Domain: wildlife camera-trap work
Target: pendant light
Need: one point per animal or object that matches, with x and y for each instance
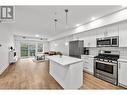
(66, 11)
(66, 41)
(55, 22)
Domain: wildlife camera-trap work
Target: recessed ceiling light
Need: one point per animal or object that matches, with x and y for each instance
(37, 35)
(55, 44)
(66, 43)
(124, 5)
(77, 25)
(93, 18)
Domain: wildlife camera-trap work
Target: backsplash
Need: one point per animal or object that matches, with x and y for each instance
(122, 50)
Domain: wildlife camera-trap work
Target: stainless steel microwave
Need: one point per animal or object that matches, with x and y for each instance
(108, 41)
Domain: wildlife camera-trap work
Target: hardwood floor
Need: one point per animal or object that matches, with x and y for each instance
(91, 82)
(26, 74)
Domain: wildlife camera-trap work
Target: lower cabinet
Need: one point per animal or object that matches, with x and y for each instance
(122, 73)
(88, 63)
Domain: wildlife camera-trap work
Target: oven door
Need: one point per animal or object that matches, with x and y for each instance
(104, 42)
(106, 69)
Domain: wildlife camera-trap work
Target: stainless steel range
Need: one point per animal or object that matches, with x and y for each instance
(106, 66)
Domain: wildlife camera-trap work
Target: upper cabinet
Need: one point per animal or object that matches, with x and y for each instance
(100, 32)
(90, 36)
(123, 34)
(90, 39)
(107, 31)
(112, 30)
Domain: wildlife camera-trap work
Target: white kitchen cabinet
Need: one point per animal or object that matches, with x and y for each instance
(91, 65)
(86, 42)
(90, 39)
(122, 76)
(123, 34)
(112, 30)
(88, 63)
(100, 32)
(107, 31)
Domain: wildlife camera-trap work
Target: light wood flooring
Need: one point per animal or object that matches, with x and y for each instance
(26, 74)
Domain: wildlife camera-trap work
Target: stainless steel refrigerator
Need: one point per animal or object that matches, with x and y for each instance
(76, 48)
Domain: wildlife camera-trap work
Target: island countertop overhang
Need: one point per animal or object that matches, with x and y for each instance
(64, 60)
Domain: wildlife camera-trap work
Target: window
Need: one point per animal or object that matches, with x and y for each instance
(32, 49)
(40, 47)
(28, 49)
(24, 49)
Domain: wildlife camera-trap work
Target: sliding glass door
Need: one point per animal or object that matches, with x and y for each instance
(24, 49)
(40, 47)
(28, 49)
(31, 49)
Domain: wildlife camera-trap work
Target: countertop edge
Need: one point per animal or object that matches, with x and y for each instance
(66, 64)
(122, 60)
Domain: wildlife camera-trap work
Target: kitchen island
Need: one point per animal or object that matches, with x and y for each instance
(67, 71)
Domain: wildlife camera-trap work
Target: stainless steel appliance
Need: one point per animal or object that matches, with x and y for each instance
(106, 66)
(115, 41)
(76, 48)
(108, 42)
(86, 51)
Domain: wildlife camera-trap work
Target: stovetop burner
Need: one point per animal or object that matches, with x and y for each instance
(107, 57)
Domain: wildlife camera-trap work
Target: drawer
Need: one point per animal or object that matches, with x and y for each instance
(86, 65)
(86, 62)
(85, 68)
(88, 70)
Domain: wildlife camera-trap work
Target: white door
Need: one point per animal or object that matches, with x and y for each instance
(122, 73)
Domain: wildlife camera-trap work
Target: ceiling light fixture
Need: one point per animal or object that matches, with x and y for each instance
(93, 18)
(66, 43)
(124, 5)
(36, 35)
(55, 21)
(55, 44)
(66, 11)
(77, 25)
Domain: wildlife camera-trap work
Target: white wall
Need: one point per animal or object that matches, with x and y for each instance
(61, 45)
(6, 40)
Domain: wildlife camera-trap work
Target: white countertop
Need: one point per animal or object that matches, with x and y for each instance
(88, 56)
(64, 60)
(122, 60)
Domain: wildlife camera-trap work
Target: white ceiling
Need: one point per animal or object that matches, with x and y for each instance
(32, 20)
